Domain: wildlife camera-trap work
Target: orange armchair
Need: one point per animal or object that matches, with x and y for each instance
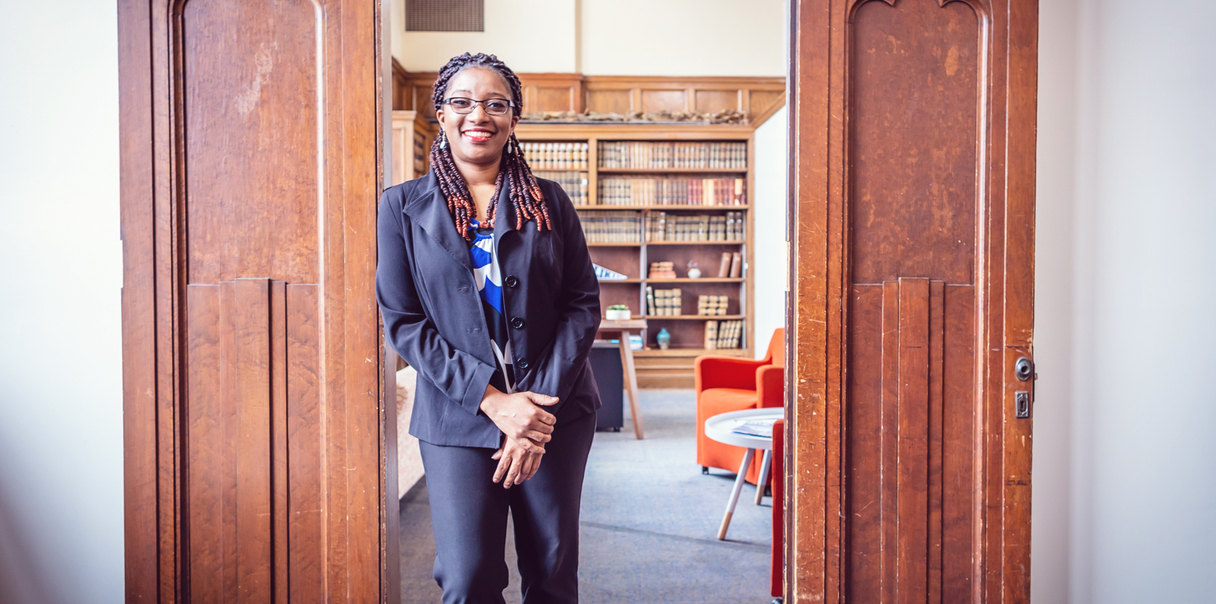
(732, 384)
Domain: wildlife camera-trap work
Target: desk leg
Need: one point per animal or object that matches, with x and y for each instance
(734, 493)
(764, 467)
(631, 381)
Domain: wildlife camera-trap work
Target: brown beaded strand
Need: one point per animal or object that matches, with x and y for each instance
(514, 172)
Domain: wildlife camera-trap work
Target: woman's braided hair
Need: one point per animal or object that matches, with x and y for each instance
(514, 172)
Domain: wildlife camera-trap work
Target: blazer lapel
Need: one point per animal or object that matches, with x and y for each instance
(505, 222)
(429, 209)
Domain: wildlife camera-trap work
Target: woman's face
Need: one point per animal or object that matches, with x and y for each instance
(477, 138)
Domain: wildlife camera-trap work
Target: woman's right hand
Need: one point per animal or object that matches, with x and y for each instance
(521, 416)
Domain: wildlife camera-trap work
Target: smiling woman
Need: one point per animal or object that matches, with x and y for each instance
(498, 320)
(475, 165)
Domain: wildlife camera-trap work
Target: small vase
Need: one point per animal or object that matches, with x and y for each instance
(694, 273)
(663, 338)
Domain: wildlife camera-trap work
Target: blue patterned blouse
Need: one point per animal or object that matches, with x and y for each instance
(489, 285)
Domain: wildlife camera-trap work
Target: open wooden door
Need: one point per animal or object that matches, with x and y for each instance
(911, 312)
(252, 354)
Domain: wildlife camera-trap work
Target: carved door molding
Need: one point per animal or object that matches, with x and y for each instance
(912, 244)
(252, 355)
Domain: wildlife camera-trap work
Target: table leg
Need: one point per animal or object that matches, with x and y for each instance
(764, 466)
(631, 382)
(734, 493)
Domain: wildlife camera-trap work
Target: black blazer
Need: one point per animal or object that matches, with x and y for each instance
(433, 314)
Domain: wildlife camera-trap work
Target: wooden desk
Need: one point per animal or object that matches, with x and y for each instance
(621, 331)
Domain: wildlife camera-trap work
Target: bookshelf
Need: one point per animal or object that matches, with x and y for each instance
(412, 137)
(757, 98)
(633, 180)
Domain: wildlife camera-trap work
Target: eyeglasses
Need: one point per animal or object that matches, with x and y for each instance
(491, 106)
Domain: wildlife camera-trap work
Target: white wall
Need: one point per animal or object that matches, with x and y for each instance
(1050, 563)
(770, 266)
(1125, 460)
(528, 35)
(683, 37)
(61, 273)
(1147, 206)
(612, 37)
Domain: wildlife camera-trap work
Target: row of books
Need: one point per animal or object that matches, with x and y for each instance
(573, 183)
(694, 227)
(662, 270)
(712, 305)
(668, 155)
(721, 335)
(556, 156)
(420, 156)
(731, 265)
(645, 190)
(663, 302)
(611, 227)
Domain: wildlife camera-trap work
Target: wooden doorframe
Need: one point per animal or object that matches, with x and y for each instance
(347, 561)
(818, 234)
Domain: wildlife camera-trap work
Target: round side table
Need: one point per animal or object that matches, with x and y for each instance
(722, 428)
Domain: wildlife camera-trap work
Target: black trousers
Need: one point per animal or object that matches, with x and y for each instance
(469, 518)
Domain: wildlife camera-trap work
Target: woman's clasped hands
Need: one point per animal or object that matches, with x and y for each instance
(527, 426)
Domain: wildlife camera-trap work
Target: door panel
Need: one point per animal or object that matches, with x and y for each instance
(251, 140)
(912, 142)
(910, 416)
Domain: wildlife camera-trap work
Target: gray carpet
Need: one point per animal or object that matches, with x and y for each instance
(649, 522)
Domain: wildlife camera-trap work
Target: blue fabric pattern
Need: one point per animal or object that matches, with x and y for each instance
(488, 277)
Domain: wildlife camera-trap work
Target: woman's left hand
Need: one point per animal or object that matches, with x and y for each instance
(515, 464)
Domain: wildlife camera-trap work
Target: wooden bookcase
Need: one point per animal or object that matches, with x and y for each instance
(671, 367)
(412, 137)
(757, 98)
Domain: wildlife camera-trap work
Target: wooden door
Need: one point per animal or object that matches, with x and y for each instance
(251, 350)
(912, 237)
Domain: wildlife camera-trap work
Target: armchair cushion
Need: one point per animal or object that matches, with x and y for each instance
(770, 386)
(725, 372)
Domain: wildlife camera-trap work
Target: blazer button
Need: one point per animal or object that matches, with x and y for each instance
(517, 323)
(512, 281)
(523, 363)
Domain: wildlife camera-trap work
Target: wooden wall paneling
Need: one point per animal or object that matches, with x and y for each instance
(1018, 272)
(251, 366)
(762, 104)
(756, 97)
(912, 189)
(280, 513)
(305, 446)
(141, 528)
(713, 101)
(609, 101)
(168, 271)
(400, 75)
(814, 346)
(352, 337)
(552, 91)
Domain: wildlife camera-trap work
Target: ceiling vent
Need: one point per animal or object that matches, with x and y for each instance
(445, 15)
